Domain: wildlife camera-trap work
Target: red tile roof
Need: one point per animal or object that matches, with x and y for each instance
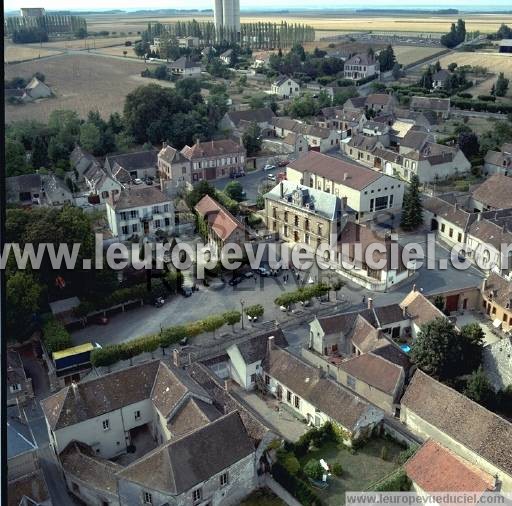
(222, 222)
(436, 469)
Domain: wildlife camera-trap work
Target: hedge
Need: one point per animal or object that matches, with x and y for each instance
(398, 481)
(55, 336)
(109, 355)
(302, 294)
(481, 106)
(297, 487)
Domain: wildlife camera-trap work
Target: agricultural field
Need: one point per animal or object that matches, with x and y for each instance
(410, 54)
(118, 51)
(494, 62)
(335, 23)
(19, 52)
(80, 82)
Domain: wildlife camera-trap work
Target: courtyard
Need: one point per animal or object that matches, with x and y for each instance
(361, 468)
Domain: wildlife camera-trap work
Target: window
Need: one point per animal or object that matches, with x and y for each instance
(147, 498)
(104, 195)
(167, 222)
(135, 228)
(157, 223)
(15, 387)
(137, 415)
(351, 382)
(459, 237)
(289, 396)
(451, 232)
(134, 214)
(296, 402)
(75, 487)
(106, 424)
(443, 227)
(296, 221)
(267, 379)
(223, 479)
(253, 378)
(197, 495)
(124, 215)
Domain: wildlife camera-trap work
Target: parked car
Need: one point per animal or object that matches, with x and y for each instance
(271, 177)
(137, 181)
(249, 274)
(159, 302)
(148, 181)
(269, 167)
(186, 291)
(236, 281)
(262, 271)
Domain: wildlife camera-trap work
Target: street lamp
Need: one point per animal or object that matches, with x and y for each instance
(242, 303)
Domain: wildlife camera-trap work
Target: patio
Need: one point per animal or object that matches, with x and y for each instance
(143, 442)
(491, 334)
(271, 410)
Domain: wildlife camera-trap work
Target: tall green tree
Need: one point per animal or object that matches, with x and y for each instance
(479, 389)
(412, 208)
(501, 86)
(252, 139)
(15, 158)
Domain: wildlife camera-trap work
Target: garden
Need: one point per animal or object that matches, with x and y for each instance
(373, 464)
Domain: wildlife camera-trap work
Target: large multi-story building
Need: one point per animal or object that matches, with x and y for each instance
(226, 15)
(302, 214)
(140, 211)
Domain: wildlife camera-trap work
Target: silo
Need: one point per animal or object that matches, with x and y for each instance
(236, 15)
(218, 14)
(227, 10)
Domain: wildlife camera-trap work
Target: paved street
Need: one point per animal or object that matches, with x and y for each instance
(250, 182)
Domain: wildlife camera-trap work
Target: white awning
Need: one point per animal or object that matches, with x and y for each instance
(496, 323)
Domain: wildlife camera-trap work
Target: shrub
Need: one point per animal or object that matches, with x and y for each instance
(313, 469)
(337, 469)
(295, 486)
(405, 455)
(397, 481)
(487, 98)
(55, 336)
(289, 461)
(384, 453)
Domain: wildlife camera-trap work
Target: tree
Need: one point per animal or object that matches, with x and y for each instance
(313, 469)
(39, 153)
(340, 97)
(15, 158)
(501, 86)
(387, 59)
(234, 190)
(232, 318)
(426, 79)
(255, 311)
(439, 302)
(199, 190)
(141, 48)
(452, 66)
(90, 138)
(337, 285)
(303, 106)
(23, 296)
(479, 389)
(456, 35)
(433, 348)
(412, 208)
(212, 323)
(260, 201)
(252, 139)
(471, 347)
(396, 71)
(469, 144)
(81, 33)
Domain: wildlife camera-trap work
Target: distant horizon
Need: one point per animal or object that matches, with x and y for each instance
(128, 6)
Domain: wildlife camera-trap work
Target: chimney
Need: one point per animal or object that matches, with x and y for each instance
(479, 216)
(226, 385)
(345, 176)
(370, 303)
(164, 145)
(414, 287)
(404, 313)
(197, 141)
(270, 344)
(176, 357)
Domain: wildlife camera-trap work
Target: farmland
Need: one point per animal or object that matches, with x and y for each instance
(494, 62)
(80, 82)
(329, 22)
(410, 54)
(18, 52)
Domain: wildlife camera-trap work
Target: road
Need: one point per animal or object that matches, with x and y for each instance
(250, 182)
(220, 298)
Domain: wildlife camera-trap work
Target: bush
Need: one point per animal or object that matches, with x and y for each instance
(487, 98)
(55, 336)
(397, 481)
(313, 469)
(289, 461)
(405, 455)
(337, 469)
(384, 453)
(295, 486)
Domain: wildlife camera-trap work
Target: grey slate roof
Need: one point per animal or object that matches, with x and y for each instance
(179, 465)
(134, 161)
(321, 203)
(19, 436)
(255, 348)
(139, 196)
(261, 115)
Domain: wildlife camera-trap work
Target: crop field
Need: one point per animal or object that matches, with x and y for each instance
(329, 22)
(118, 51)
(494, 62)
(80, 82)
(18, 52)
(410, 54)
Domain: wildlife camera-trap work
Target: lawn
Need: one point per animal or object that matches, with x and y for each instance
(262, 497)
(360, 470)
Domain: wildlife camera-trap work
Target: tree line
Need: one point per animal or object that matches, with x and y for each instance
(260, 35)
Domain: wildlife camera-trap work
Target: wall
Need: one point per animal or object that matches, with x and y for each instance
(241, 482)
(109, 442)
(22, 464)
(88, 493)
(425, 430)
